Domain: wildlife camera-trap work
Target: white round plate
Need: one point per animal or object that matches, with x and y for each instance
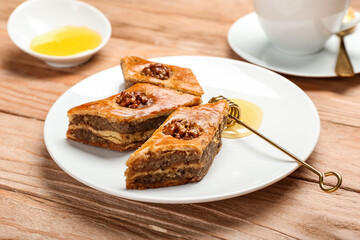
(248, 40)
(242, 165)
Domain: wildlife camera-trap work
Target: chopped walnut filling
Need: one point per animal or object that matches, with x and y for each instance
(182, 129)
(157, 70)
(134, 100)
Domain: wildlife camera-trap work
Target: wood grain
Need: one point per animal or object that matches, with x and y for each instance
(40, 201)
(32, 184)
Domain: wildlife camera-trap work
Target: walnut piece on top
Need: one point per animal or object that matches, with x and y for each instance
(182, 129)
(134, 100)
(157, 70)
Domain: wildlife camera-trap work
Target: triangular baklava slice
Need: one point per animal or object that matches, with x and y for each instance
(137, 70)
(125, 121)
(181, 150)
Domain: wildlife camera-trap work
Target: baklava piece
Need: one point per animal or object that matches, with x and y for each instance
(181, 150)
(125, 121)
(137, 70)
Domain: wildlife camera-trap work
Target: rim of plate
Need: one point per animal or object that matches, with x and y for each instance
(208, 198)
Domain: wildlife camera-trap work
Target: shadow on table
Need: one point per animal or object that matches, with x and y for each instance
(336, 84)
(28, 67)
(95, 209)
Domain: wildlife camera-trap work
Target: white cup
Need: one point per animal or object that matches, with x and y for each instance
(302, 27)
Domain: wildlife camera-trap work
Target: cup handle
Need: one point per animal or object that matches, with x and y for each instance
(349, 24)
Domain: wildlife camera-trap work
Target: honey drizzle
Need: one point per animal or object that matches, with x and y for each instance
(251, 114)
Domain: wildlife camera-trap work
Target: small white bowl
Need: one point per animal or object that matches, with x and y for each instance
(35, 17)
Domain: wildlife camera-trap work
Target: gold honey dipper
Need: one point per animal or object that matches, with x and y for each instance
(234, 115)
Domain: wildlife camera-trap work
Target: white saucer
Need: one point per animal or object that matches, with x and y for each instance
(248, 40)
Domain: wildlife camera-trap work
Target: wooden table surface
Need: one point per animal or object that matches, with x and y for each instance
(38, 200)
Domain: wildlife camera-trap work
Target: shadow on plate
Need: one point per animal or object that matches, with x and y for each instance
(95, 210)
(121, 87)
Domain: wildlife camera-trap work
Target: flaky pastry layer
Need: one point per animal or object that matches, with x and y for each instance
(165, 101)
(181, 79)
(116, 137)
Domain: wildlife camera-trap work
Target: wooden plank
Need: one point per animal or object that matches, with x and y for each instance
(263, 214)
(40, 201)
(338, 150)
(27, 171)
(47, 219)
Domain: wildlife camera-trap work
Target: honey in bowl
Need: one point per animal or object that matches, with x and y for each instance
(250, 114)
(66, 41)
